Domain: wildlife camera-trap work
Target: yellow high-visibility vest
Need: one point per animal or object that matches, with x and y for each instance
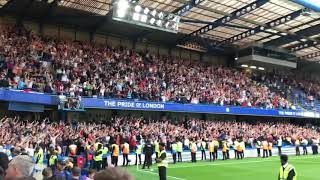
(211, 147)
(156, 146)
(116, 150)
(164, 162)
(99, 157)
(174, 147)
(139, 149)
(216, 143)
(52, 160)
(39, 155)
(224, 147)
(180, 147)
(284, 173)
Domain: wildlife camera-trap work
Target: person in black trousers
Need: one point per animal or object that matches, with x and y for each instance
(203, 150)
(279, 144)
(162, 162)
(287, 171)
(138, 151)
(314, 146)
(193, 149)
(258, 146)
(148, 151)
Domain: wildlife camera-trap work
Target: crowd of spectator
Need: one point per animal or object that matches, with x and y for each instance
(21, 168)
(21, 137)
(27, 135)
(299, 91)
(49, 65)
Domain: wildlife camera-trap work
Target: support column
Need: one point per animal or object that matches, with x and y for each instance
(134, 44)
(41, 28)
(91, 37)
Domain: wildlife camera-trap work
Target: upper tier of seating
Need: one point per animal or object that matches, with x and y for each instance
(80, 68)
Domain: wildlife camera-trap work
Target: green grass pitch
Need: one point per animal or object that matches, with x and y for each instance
(308, 168)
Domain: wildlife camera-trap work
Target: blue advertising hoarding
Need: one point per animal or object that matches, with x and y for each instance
(97, 103)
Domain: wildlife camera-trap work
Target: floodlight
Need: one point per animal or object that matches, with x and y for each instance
(177, 19)
(244, 65)
(121, 13)
(253, 67)
(123, 5)
(144, 18)
(137, 8)
(159, 23)
(288, 18)
(261, 68)
(167, 24)
(175, 26)
(161, 15)
(129, 12)
(254, 6)
(152, 20)
(136, 16)
(153, 13)
(146, 11)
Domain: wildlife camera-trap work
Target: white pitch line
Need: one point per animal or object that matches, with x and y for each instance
(247, 162)
(158, 174)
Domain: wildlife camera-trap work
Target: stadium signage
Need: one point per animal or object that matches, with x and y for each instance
(136, 105)
(125, 104)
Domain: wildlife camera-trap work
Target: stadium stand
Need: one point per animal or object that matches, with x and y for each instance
(79, 68)
(86, 86)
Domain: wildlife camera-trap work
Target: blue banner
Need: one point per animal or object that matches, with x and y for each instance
(96, 103)
(192, 108)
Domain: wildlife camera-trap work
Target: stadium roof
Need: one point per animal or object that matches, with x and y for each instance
(239, 23)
